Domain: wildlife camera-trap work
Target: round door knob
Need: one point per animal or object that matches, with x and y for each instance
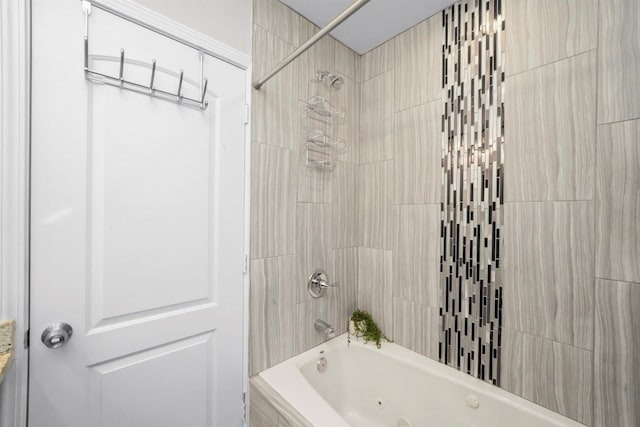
(56, 334)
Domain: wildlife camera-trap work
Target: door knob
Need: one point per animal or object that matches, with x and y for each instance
(56, 334)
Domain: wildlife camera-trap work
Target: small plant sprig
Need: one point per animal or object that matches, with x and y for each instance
(364, 326)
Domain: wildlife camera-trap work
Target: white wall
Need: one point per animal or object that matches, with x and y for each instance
(228, 21)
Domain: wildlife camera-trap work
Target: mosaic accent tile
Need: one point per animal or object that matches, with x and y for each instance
(472, 187)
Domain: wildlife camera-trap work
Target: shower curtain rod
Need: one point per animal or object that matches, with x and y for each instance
(299, 51)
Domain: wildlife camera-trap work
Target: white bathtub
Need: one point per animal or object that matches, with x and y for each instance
(363, 386)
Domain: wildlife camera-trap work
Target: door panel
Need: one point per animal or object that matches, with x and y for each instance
(137, 230)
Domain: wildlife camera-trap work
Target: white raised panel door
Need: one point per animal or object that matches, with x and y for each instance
(137, 230)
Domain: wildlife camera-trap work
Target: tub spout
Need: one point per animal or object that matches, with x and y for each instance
(322, 326)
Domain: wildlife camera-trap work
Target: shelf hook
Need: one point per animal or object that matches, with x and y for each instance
(179, 96)
(153, 74)
(121, 66)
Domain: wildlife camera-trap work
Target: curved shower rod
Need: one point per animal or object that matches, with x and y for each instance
(320, 34)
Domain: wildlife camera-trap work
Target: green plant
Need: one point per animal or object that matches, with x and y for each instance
(364, 326)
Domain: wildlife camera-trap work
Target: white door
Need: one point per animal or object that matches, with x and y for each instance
(137, 230)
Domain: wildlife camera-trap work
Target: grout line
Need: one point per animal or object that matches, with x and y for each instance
(549, 201)
(546, 339)
(616, 122)
(551, 63)
(595, 220)
(616, 280)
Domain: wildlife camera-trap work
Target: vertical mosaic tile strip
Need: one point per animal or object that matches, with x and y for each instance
(472, 187)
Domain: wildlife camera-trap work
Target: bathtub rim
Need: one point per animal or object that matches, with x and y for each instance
(302, 396)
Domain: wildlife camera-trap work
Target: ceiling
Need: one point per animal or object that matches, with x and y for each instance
(375, 23)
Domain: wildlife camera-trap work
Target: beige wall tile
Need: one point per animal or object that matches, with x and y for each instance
(375, 205)
(376, 119)
(349, 98)
(618, 202)
(374, 286)
(308, 313)
(344, 206)
(343, 299)
(320, 57)
(550, 132)
(275, 115)
(261, 412)
(548, 270)
(376, 61)
(273, 311)
(274, 16)
(540, 32)
(416, 254)
(617, 345)
(554, 375)
(418, 64)
(273, 183)
(618, 60)
(345, 60)
(416, 327)
(418, 154)
(313, 243)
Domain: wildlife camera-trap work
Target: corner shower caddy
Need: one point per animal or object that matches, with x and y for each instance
(320, 119)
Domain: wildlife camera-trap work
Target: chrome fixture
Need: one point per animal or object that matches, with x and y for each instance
(56, 334)
(324, 327)
(151, 89)
(330, 80)
(322, 364)
(318, 283)
(317, 36)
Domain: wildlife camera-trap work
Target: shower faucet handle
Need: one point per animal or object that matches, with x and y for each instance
(318, 283)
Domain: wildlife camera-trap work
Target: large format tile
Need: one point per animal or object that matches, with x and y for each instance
(551, 114)
(416, 254)
(289, 416)
(554, 375)
(272, 312)
(618, 201)
(418, 154)
(275, 117)
(618, 60)
(375, 205)
(416, 327)
(313, 243)
(319, 57)
(344, 206)
(376, 119)
(374, 286)
(418, 64)
(349, 98)
(543, 31)
(376, 61)
(345, 61)
(617, 345)
(261, 411)
(343, 299)
(308, 313)
(274, 16)
(273, 201)
(548, 270)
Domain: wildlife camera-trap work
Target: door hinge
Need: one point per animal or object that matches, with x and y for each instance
(245, 267)
(27, 338)
(244, 407)
(247, 113)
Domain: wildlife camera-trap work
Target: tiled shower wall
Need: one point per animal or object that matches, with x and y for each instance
(571, 272)
(571, 224)
(301, 218)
